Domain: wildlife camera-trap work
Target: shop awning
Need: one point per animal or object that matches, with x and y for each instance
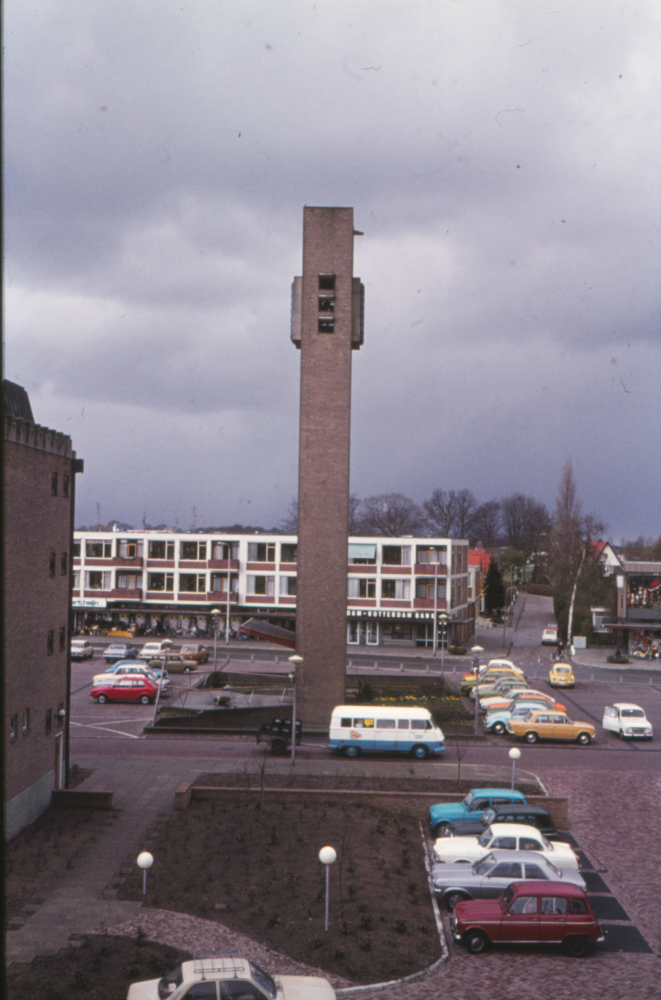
(271, 633)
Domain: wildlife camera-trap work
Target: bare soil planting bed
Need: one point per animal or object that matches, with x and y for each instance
(253, 865)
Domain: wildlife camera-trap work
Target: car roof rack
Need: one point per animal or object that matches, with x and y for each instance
(205, 963)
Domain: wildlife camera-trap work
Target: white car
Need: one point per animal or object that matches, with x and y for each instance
(81, 649)
(229, 977)
(152, 649)
(504, 837)
(550, 635)
(131, 669)
(627, 720)
(504, 663)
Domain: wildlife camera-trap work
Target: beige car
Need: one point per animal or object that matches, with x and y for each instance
(540, 724)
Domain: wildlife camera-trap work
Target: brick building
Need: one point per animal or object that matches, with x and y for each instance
(38, 503)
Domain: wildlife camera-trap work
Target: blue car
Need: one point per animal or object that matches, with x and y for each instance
(471, 807)
(497, 720)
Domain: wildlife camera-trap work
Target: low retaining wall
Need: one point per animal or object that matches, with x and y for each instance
(417, 802)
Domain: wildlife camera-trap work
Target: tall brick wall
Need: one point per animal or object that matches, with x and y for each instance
(37, 525)
(323, 490)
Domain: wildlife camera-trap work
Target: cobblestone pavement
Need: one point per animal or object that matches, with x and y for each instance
(613, 818)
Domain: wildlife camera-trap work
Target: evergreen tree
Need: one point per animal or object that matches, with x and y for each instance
(494, 597)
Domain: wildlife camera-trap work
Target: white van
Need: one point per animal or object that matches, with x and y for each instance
(355, 729)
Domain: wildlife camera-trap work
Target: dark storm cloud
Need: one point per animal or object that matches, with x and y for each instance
(502, 161)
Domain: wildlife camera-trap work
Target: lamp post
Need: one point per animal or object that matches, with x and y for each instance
(435, 551)
(229, 591)
(444, 619)
(515, 753)
(166, 644)
(476, 650)
(296, 662)
(327, 856)
(215, 618)
(145, 861)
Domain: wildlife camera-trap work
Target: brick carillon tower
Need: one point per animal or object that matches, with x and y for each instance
(327, 324)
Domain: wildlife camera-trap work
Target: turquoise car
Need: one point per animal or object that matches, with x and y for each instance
(471, 807)
(497, 720)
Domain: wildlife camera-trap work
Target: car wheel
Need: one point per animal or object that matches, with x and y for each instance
(102, 699)
(475, 942)
(621, 735)
(278, 748)
(498, 728)
(453, 898)
(575, 946)
(583, 739)
(351, 751)
(420, 752)
(441, 830)
(144, 699)
(531, 737)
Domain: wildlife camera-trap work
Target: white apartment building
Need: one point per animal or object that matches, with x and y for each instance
(171, 580)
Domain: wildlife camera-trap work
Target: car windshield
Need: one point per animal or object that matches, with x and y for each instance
(264, 981)
(484, 865)
(168, 984)
(546, 843)
(563, 670)
(632, 713)
(506, 897)
(556, 871)
(484, 839)
(468, 799)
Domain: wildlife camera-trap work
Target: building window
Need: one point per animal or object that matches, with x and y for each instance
(219, 584)
(287, 586)
(194, 550)
(65, 485)
(51, 564)
(76, 550)
(50, 641)
(129, 550)
(13, 729)
(161, 550)
(98, 580)
(53, 484)
(261, 585)
(26, 721)
(424, 589)
(399, 590)
(64, 563)
(326, 282)
(160, 581)
(431, 555)
(396, 555)
(261, 552)
(326, 325)
(129, 581)
(192, 583)
(49, 721)
(326, 303)
(98, 550)
(361, 588)
(60, 715)
(63, 637)
(288, 552)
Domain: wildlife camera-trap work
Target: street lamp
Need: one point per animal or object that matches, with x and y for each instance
(327, 855)
(435, 551)
(515, 753)
(444, 619)
(476, 650)
(166, 644)
(229, 591)
(296, 661)
(145, 861)
(215, 619)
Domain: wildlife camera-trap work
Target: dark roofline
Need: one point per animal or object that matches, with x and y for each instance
(15, 401)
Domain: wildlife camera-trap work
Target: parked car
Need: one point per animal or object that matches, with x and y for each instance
(505, 837)
(471, 807)
(478, 671)
(152, 649)
(177, 664)
(194, 651)
(518, 696)
(245, 980)
(528, 912)
(561, 675)
(492, 694)
(627, 720)
(119, 651)
(490, 675)
(505, 812)
(550, 636)
(538, 724)
(496, 719)
(487, 877)
(131, 688)
(81, 649)
(127, 669)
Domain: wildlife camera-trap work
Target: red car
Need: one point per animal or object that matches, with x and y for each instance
(130, 688)
(548, 912)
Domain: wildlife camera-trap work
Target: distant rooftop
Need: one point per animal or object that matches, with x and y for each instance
(15, 401)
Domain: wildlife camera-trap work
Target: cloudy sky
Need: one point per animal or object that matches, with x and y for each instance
(502, 160)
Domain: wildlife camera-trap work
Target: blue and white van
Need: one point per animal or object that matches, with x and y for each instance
(356, 729)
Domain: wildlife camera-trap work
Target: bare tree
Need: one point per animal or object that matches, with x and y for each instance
(525, 521)
(355, 515)
(465, 506)
(485, 523)
(441, 513)
(289, 523)
(390, 514)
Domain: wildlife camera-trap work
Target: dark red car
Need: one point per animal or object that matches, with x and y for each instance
(529, 912)
(129, 688)
(195, 651)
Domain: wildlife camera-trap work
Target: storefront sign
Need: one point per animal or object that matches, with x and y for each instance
(89, 602)
(369, 613)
